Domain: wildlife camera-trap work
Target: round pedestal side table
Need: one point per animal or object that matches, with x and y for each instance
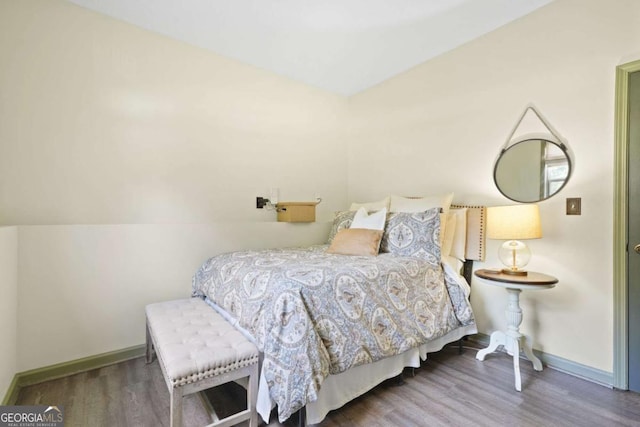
(512, 340)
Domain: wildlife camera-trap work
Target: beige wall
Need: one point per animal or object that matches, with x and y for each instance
(83, 288)
(8, 306)
(164, 148)
(102, 122)
(440, 126)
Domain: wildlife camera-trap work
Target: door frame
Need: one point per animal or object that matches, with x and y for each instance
(620, 204)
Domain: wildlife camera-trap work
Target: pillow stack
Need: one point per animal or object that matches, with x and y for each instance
(423, 227)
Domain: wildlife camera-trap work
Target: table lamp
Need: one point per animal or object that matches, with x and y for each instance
(514, 223)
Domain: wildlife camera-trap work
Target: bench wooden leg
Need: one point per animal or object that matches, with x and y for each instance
(176, 407)
(252, 396)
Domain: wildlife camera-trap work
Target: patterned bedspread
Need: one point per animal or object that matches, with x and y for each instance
(313, 314)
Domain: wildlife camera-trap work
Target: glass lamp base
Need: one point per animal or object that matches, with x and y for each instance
(514, 255)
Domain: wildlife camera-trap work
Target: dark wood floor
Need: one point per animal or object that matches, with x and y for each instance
(448, 390)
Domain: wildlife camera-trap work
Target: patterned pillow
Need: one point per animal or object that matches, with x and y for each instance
(341, 220)
(413, 234)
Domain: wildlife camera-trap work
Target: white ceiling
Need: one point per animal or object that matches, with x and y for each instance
(343, 46)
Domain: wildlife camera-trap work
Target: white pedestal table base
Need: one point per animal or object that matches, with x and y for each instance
(512, 340)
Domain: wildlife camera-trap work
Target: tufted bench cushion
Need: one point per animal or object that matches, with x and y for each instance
(198, 349)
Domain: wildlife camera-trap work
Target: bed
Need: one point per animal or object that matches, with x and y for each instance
(331, 326)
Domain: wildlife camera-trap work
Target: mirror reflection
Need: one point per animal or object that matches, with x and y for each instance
(532, 170)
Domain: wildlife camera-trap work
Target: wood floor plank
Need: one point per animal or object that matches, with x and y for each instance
(448, 390)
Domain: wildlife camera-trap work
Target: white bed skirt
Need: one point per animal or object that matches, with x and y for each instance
(339, 389)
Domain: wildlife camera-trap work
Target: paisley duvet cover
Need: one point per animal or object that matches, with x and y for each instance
(314, 314)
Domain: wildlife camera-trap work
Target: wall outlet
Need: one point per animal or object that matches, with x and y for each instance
(574, 206)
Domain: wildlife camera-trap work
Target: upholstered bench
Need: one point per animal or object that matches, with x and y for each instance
(198, 349)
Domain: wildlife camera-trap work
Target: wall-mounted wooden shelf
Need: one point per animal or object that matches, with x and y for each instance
(296, 211)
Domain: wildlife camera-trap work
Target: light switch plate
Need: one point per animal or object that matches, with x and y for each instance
(574, 206)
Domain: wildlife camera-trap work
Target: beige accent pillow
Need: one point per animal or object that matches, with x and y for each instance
(459, 244)
(446, 237)
(356, 241)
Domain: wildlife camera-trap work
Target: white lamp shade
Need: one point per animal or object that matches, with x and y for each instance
(515, 222)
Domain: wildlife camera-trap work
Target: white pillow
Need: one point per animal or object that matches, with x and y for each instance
(459, 245)
(405, 204)
(371, 206)
(375, 221)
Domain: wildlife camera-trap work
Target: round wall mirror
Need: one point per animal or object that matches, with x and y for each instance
(532, 169)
